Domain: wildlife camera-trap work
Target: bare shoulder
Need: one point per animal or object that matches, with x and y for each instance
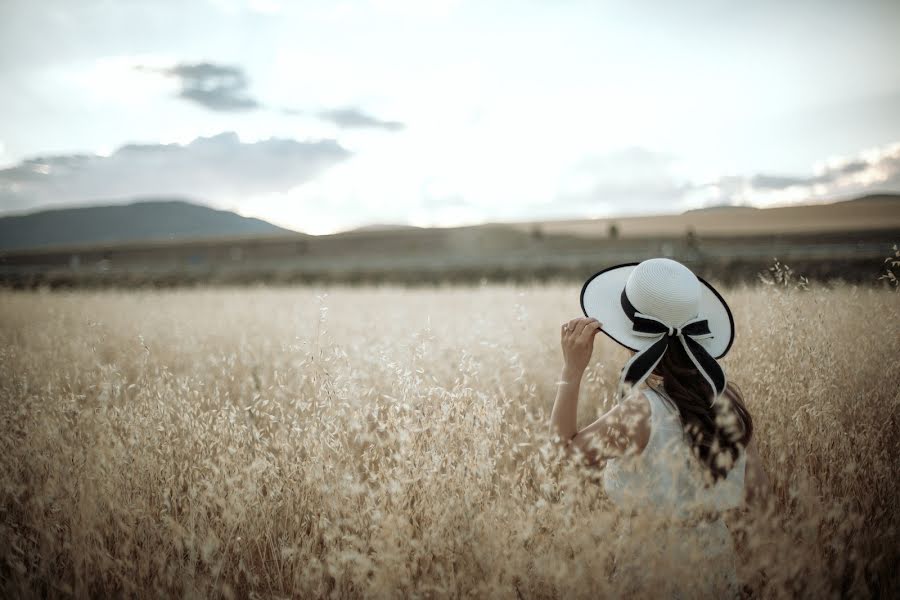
(625, 429)
(635, 408)
(636, 413)
(628, 424)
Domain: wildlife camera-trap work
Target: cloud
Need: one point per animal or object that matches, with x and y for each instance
(875, 169)
(353, 118)
(216, 168)
(216, 87)
(778, 182)
(225, 88)
(638, 180)
(827, 176)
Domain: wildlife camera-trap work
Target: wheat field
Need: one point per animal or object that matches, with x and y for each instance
(389, 442)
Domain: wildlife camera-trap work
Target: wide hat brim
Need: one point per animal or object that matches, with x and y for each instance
(601, 299)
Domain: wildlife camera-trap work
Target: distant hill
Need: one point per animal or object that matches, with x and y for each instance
(719, 208)
(140, 221)
(878, 198)
(867, 213)
(384, 227)
(886, 197)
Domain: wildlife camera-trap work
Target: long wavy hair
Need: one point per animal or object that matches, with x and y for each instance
(718, 433)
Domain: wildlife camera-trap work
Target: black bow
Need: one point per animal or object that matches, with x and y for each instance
(643, 362)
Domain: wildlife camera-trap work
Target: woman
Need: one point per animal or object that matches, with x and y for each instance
(679, 444)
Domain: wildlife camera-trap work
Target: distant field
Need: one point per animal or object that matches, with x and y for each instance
(875, 212)
(387, 442)
(848, 241)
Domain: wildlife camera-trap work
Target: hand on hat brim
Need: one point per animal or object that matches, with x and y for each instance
(577, 341)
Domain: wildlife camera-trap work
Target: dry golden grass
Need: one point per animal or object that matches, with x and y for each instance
(387, 442)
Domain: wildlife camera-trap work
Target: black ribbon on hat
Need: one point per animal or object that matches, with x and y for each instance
(639, 367)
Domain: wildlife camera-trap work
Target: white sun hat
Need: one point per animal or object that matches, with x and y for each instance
(645, 306)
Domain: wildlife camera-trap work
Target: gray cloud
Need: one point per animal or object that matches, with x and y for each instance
(852, 167)
(353, 118)
(830, 175)
(214, 167)
(872, 171)
(779, 182)
(225, 88)
(216, 87)
(639, 180)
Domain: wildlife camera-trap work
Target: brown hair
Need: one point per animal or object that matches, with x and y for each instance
(719, 432)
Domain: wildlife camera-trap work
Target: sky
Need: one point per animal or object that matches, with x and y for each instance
(323, 116)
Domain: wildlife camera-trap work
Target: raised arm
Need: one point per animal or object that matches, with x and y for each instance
(624, 428)
(577, 340)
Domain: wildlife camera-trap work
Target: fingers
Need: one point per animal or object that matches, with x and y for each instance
(576, 327)
(590, 328)
(582, 323)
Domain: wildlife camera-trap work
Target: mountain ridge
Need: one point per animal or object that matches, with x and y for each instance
(141, 220)
(184, 220)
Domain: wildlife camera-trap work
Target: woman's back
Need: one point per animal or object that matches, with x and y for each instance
(691, 557)
(665, 477)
